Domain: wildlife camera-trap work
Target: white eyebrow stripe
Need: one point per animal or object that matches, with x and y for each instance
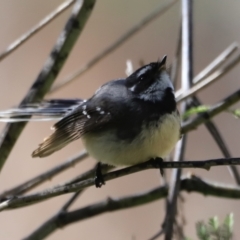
(142, 71)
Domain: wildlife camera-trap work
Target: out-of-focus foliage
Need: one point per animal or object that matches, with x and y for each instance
(215, 231)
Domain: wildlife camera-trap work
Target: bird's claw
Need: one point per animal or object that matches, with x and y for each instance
(158, 161)
(99, 180)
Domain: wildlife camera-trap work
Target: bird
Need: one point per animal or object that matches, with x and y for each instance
(127, 121)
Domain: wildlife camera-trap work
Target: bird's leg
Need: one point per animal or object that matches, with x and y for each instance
(99, 180)
(157, 162)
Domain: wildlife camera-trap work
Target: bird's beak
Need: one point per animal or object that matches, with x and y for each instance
(162, 63)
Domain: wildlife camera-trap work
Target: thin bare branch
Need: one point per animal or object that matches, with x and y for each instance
(182, 95)
(217, 62)
(49, 224)
(189, 184)
(74, 26)
(69, 203)
(193, 183)
(177, 59)
(227, 53)
(214, 131)
(157, 235)
(91, 173)
(139, 26)
(32, 183)
(88, 174)
(187, 78)
(174, 189)
(16, 44)
(22, 201)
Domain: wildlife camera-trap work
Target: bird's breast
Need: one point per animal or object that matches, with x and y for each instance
(155, 139)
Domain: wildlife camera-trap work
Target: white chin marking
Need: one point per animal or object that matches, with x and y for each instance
(132, 88)
(154, 141)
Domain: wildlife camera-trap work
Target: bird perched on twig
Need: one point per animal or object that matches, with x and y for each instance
(127, 121)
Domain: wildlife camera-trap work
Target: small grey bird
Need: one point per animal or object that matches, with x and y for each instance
(127, 121)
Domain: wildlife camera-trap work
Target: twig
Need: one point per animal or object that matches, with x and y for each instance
(72, 199)
(51, 224)
(83, 176)
(196, 184)
(171, 210)
(212, 128)
(157, 235)
(16, 44)
(227, 53)
(95, 209)
(139, 26)
(216, 63)
(189, 184)
(88, 174)
(213, 111)
(21, 201)
(177, 59)
(32, 183)
(210, 125)
(187, 43)
(181, 95)
(187, 77)
(75, 24)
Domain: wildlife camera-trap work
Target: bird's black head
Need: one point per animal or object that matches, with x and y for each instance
(150, 82)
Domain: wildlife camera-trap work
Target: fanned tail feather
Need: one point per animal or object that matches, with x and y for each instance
(53, 143)
(45, 111)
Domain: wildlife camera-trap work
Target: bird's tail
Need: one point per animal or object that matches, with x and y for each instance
(47, 110)
(51, 144)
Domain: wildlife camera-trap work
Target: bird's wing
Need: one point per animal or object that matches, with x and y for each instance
(85, 118)
(92, 115)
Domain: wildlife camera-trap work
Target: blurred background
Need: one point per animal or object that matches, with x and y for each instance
(216, 26)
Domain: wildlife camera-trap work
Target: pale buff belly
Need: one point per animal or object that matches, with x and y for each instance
(152, 142)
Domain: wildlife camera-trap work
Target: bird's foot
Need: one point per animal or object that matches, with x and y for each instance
(99, 180)
(158, 162)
